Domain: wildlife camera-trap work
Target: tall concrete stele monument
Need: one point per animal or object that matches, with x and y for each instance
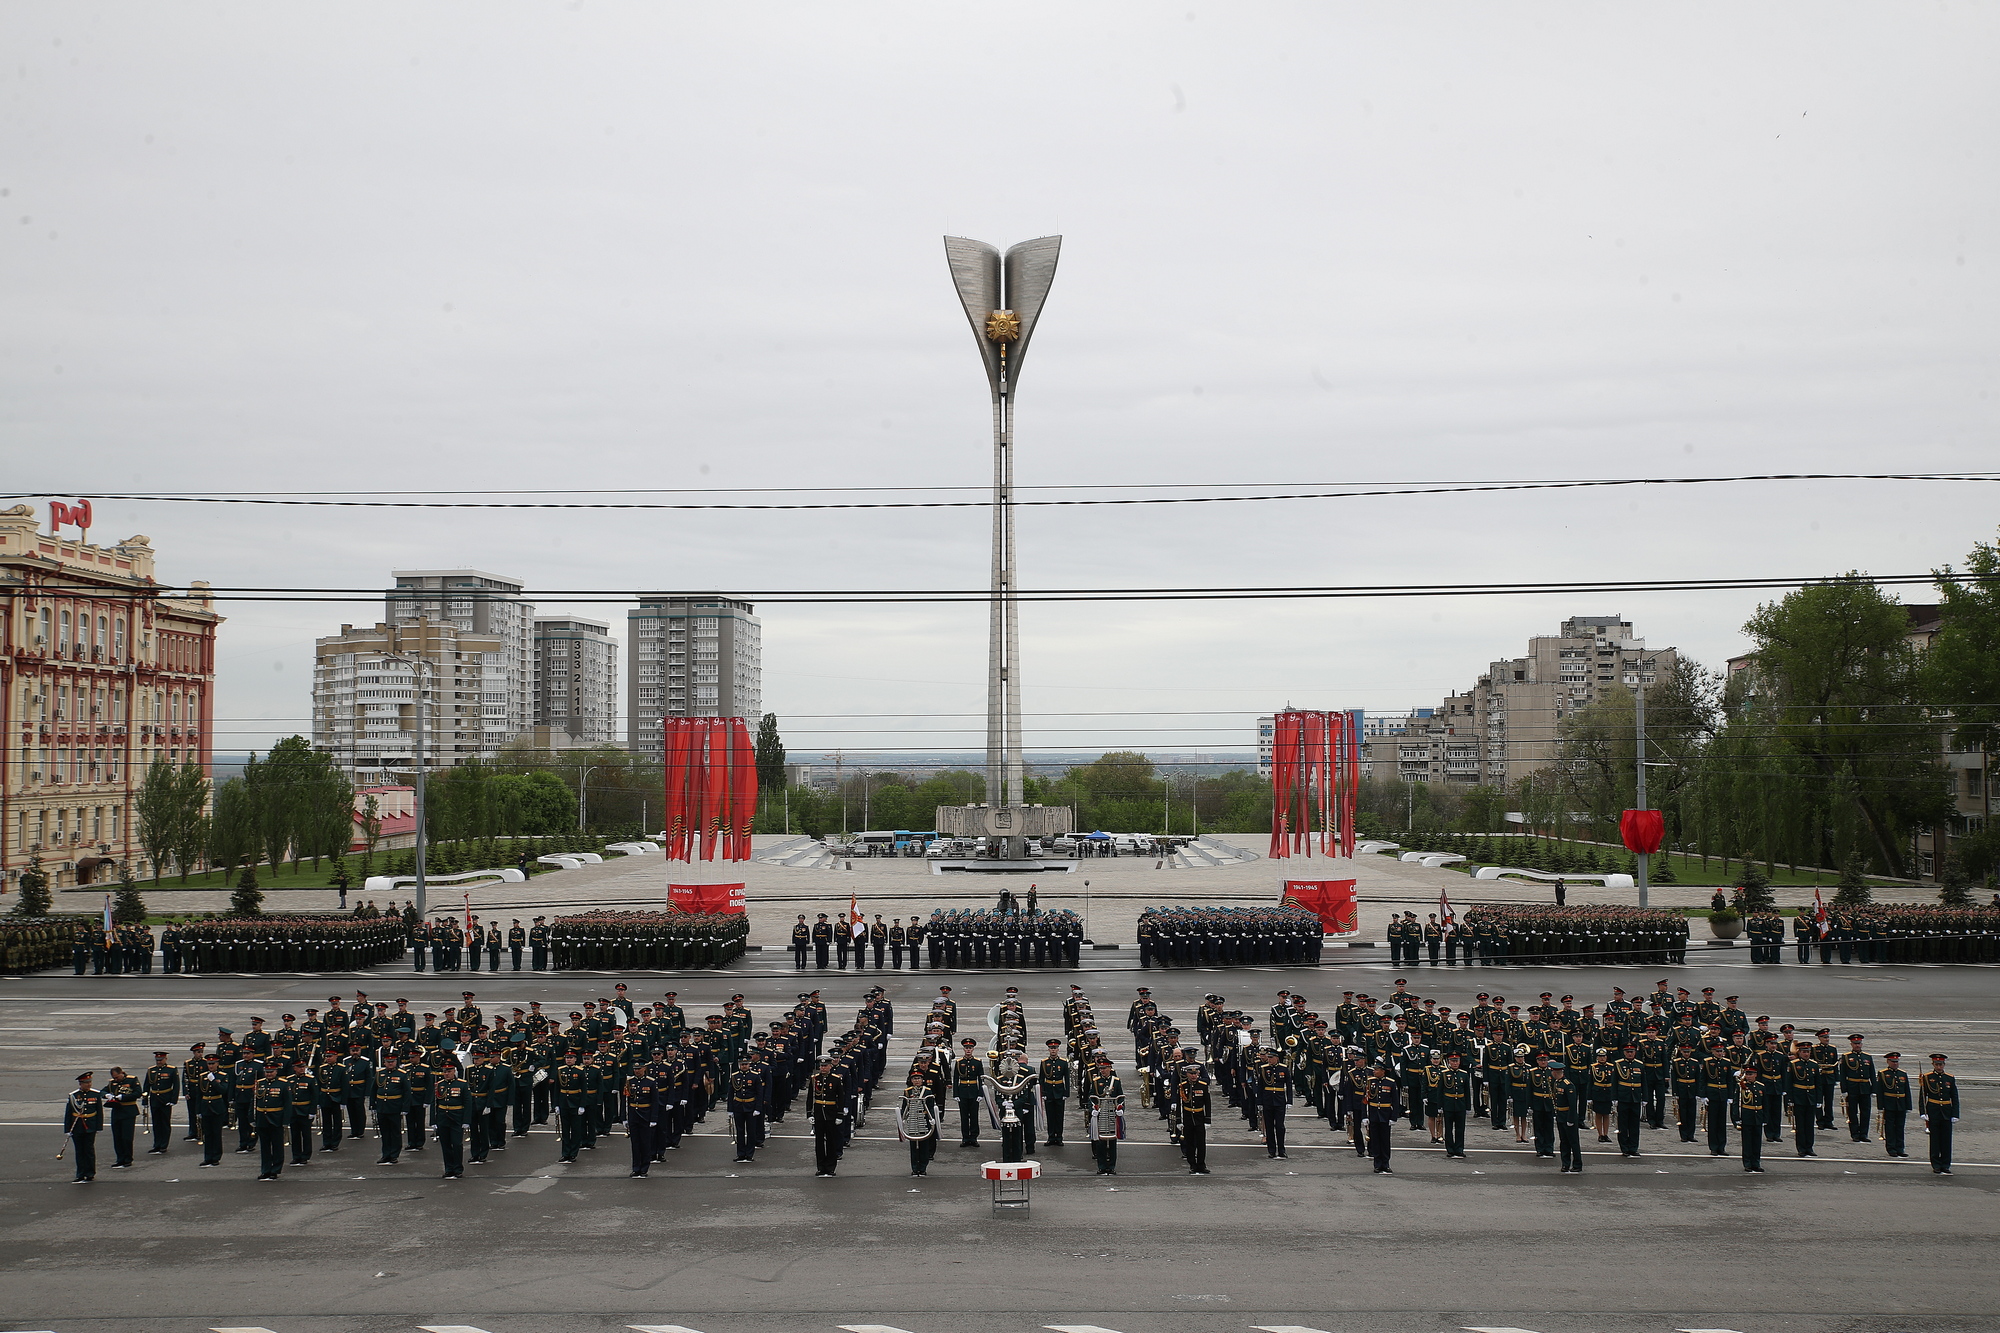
(1003, 298)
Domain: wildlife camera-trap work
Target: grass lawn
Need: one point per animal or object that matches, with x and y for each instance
(1688, 870)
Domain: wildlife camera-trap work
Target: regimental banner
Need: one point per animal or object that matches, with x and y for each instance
(1315, 783)
(706, 897)
(1333, 899)
(711, 788)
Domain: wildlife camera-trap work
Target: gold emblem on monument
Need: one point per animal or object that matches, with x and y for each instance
(1003, 326)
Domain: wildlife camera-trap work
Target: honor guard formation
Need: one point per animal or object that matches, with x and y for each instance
(1208, 936)
(994, 937)
(1550, 1072)
(1502, 933)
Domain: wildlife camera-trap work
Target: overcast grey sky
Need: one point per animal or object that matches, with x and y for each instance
(509, 245)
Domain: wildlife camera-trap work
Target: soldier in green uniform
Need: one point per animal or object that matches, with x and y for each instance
(209, 1094)
(1856, 1073)
(1452, 1096)
(1937, 1094)
(83, 1121)
(162, 1085)
(121, 1099)
(1751, 1090)
(389, 1096)
(449, 1115)
(1631, 1077)
(1802, 1078)
(305, 1102)
(966, 1072)
(1053, 1078)
(572, 1094)
(1105, 1115)
(271, 1104)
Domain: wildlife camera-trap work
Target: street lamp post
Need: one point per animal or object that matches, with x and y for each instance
(420, 702)
(582, 782)
(1638, 683)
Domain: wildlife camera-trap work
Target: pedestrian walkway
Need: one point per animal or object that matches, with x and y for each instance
(1232, 1326)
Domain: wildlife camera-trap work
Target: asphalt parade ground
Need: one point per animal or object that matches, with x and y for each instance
(1674, 1242)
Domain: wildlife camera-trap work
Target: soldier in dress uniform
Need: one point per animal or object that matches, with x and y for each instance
(1053, 1080)
(271, 1104)
(1937, 1094)
(83, 1121)
(1892, 1094)
(121, 1099)
(162, 1086)
(1856, 1073)
(1751, 1091)
(449, 1111)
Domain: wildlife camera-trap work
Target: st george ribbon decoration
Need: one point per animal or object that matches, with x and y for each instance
(711, 788)
(1315, 781)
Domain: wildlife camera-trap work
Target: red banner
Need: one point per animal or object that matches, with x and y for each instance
(1315, 782)
(706, 897)
(710, 788)
(1333, 899)
(1643, 830)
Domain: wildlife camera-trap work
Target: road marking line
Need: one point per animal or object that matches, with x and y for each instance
(1474, 1328)
(1287, 1328)
(1705, 1330)
(239, 1330)
(450, 1328)
(1080, 1328)
(662, 1328)
(873, 1328)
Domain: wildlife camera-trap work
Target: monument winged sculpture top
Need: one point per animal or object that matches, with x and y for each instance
(1003, 298)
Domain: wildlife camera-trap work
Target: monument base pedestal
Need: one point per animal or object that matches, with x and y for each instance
(989, 865)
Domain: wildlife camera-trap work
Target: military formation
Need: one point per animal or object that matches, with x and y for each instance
(1212, 936)
(1884, 933)
(993, 937)
(31, 944)
(470, 1082)
(1553, 1072)
(672, 940)
(1503, 934)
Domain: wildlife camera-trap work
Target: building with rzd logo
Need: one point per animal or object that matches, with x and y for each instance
(101, 672)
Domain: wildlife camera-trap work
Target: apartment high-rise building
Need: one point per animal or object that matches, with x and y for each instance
(99, 676)
(576, 678)
(1509, 724)
(365, 706)
(690, 655)
(473, 601)
(1267, 726)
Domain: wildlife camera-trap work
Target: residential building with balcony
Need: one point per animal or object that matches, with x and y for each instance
(690, 655)
(473, 601)
(576, 679)
(368, 695)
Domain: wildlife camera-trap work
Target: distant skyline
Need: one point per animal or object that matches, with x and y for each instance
(501, 247)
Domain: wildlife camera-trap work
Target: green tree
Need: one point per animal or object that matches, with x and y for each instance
(1961, 668)
(770, 756)
(248, 900)
(191, 824)
(1853, 890)
(158, 809)
(232, 827)
(1834, 696)
(128, 908)
(1755, 889)
(34, 898)
(1954, 885)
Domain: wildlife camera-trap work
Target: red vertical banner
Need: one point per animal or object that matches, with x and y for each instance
(1315, 783)
(711, 788)
(743, 789)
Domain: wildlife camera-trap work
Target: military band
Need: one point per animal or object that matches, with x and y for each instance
(470, 1082)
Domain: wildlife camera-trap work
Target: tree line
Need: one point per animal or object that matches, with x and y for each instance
(1836, 740)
